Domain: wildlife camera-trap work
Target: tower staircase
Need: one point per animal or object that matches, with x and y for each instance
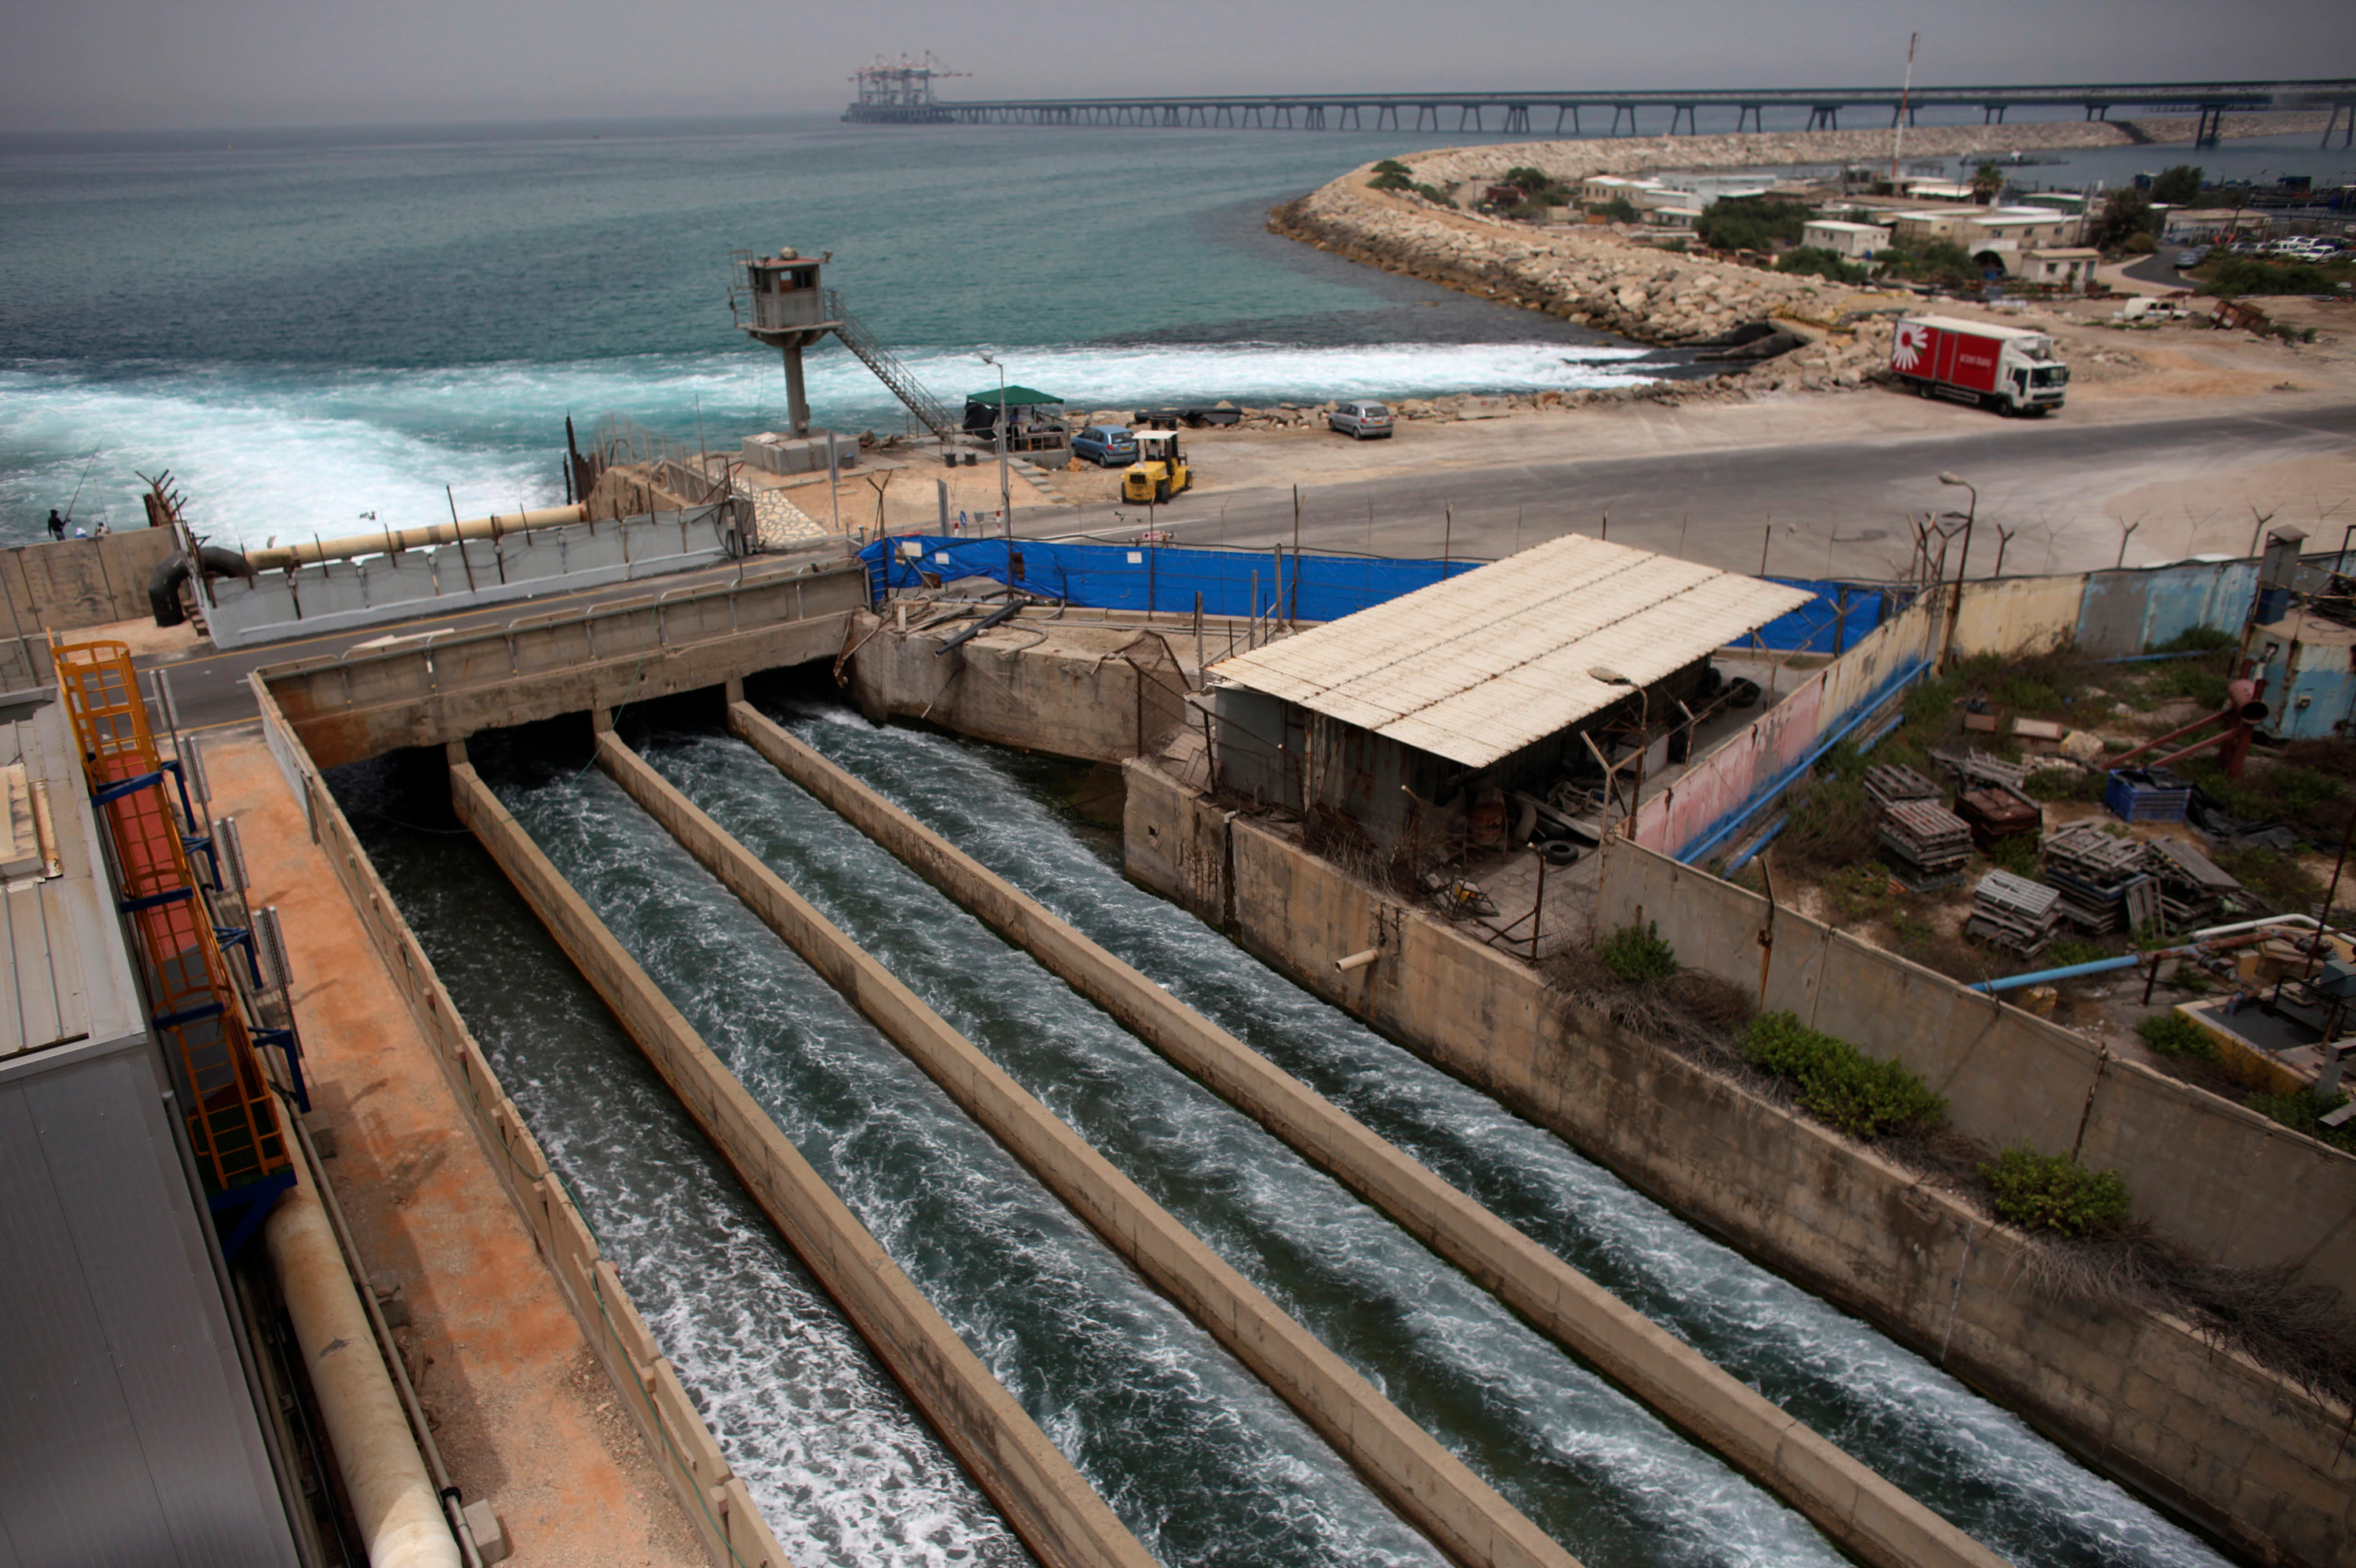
(930, 411)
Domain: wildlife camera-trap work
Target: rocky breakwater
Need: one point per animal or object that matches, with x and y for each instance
(1592, 276)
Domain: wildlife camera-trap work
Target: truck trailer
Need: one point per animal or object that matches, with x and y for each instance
(2011, 368)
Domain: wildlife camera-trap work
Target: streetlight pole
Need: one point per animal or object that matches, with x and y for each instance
(1962, 563)
(1005, 498)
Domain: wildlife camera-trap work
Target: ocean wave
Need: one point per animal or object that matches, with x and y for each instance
(264, 451)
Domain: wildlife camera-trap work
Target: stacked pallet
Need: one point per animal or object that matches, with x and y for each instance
(1995, 815)
(2101, 878)
(1889, 783)
(2014, 914)
(1925, 845)
(2192, 886)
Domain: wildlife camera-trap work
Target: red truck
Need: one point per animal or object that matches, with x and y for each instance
(2011, 368)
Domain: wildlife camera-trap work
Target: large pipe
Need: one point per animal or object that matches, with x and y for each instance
(398, 1516)
(164, 582)
(384, 542)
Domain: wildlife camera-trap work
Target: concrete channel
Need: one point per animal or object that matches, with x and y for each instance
(1461, 1512)
(1846, 1498)
(1058, 1515)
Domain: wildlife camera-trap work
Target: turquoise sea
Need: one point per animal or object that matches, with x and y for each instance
(306, 328)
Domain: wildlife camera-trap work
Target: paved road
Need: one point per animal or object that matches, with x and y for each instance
(1831, 510)
(2159, 267)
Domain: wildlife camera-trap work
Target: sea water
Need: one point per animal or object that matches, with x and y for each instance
(318, 332)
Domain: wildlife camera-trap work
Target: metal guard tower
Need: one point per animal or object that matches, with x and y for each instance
(789, 311)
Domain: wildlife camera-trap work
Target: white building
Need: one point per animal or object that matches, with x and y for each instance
(1855, 240)
(2067, 267)
(1668, 209)
(1599, 190)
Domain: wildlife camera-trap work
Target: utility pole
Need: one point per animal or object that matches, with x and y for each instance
(1897, 142)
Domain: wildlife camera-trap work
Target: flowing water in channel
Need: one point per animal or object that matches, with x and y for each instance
(1198, 1457)
(1970, 1460)
(841, 1466)
(1590, 1466)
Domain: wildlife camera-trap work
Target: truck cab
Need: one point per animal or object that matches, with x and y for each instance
(1160, 471)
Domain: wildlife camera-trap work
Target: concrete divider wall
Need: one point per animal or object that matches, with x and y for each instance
(1846, 1500)
(727, 1526)
(2234, 1186)
(434, 687)
(65, 584)
(1058, 1515)
(334, 596)
(1414, 1474)
(2139, 1394)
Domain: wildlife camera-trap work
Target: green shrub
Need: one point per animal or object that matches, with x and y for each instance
(2302, 1113)
(2054, 1192)
(1392, 179)
(2203, 686)
(2235, 275)
(1816, 262)
(1434, 194)
(2063, 784)
(1639, 956)
(2173, 1034)
(1392, 166)
(1619, 210)
(1750, 223)
(1839, 1084)
(2018, 855)
(2198, 640)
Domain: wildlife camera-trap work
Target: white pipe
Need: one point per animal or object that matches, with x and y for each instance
(1358, 960)
(393, 1502)
(384, 542)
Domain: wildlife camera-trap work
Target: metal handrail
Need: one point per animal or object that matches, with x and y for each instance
(929, 410)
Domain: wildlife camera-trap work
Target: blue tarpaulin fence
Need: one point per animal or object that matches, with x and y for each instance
(1165, 579)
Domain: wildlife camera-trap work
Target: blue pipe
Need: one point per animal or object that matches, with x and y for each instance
(2150, 658)
(1871, 741)
(1756, 845)
(2068, 972)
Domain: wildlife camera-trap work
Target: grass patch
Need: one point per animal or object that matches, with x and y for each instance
(2173, 1034)
(1839, 1084)
(2276, 879)
(2064, 783)
(2054, 1192)
(2018, 855)
(1638, 957)
(2303, 1113)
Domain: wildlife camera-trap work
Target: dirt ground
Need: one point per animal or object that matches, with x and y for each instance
(522, 1412)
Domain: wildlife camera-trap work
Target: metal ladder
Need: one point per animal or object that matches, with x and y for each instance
(929, 410)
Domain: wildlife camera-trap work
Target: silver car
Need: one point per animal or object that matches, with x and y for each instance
(1360, 421)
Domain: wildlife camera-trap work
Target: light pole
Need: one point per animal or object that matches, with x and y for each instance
(1005, 501)
(1962, 562)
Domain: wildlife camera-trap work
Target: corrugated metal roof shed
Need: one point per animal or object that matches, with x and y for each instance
(1475, 668)
(63, 973)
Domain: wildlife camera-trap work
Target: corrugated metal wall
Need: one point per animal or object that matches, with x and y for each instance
(127, 1433)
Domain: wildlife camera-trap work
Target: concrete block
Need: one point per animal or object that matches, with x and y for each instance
(489, 1532)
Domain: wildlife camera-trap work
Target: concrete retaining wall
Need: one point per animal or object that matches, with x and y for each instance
(1058, 1515)
(1848, 1500)
(1414, 1474)
(714, 1503)
(335, 596)
(2137, 1393)
(428, 689)
(1095, 706)
(66, 584)
(2235, 1187)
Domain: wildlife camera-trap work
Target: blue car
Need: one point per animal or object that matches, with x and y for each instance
(1105, 445)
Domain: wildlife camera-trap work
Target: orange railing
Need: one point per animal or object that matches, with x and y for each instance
(231, 1118)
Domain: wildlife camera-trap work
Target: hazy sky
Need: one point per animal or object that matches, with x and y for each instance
(97, 64)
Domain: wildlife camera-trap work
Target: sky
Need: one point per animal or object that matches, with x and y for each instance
(94, 65)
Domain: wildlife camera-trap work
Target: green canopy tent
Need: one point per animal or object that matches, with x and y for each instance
(1034, 419)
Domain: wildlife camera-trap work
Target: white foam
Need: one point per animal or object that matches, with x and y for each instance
(264, 451)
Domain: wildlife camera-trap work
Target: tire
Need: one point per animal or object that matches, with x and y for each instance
(1162, 491)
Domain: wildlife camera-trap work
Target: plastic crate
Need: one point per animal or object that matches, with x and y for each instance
(2134, 795)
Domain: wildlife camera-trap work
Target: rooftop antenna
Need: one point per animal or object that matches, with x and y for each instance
(1898, 138)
